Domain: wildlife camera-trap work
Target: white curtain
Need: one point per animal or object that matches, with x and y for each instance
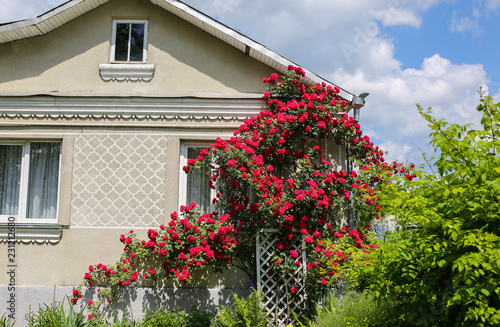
(10, 177)
(43, 180)
(198, 190)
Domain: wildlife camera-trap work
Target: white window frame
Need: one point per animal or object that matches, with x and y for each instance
(113, 40)
(183, 176)
(20, 218)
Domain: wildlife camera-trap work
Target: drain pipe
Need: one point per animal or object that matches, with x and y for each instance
(357, 103)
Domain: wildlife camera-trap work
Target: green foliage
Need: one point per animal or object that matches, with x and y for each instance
(245, 313)
(443, 265)
(174, 318)
(120, 322)
(5, 321)
(198, 318)
(55, 316)
(354, 310)
(164, 318)
(47, 315)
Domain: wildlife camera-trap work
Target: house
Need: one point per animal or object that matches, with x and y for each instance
(101, 102)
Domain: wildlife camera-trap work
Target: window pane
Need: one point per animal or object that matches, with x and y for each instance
(136, 42)
(121, 44)
(43, 180)
(197, 188)
(10, 178)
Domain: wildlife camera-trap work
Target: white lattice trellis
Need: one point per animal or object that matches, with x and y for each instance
(276, 290)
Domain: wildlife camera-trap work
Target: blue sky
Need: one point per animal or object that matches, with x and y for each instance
(433, 52)
(475, 44)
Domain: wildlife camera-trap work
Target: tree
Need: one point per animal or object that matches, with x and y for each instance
(443, 264)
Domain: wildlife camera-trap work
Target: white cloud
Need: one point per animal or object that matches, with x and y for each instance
(344, 42)
(391, 107)
(482, 12)
(465, 24)
(492, 4)
(341, 41)
(396, 151)
(25, 9)
(398, 16)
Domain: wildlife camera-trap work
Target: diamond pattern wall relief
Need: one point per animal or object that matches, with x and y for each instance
(119, 180)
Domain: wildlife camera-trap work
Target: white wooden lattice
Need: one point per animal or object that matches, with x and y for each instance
(276, 290)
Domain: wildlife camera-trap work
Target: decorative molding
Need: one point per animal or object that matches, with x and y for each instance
(131, 72)
(32, 233)
(137, 108)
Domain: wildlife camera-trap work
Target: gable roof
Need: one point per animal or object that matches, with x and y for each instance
(72, 9)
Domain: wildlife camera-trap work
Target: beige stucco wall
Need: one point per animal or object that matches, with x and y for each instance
(112, 180)
(186, 59)
(106, 161)
(65, 263)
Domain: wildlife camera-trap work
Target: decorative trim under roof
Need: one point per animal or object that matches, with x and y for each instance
(70, 10)
(133, 107)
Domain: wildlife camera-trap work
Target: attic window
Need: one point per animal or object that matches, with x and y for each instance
(130, 41)
(129, 50)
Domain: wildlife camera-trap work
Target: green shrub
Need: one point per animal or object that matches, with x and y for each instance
(5, 321)
(121, 322)
(198, 318)
(353, 310)
(46, 316)
(443, 264)
(55, 316)
(245, 313)
(177, 318)
(164, 318)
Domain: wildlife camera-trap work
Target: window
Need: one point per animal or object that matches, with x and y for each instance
(29, 181)
(130, 41)
(129, 49)
(194, 186)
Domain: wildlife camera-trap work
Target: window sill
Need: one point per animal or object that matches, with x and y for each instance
(132, 72)
(31, 233)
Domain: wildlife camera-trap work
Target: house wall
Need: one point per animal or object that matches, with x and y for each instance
(117, 172)
(117, 178)
(120, 142)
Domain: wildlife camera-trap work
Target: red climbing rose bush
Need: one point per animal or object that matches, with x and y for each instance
(301, 168)
(190, 241)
